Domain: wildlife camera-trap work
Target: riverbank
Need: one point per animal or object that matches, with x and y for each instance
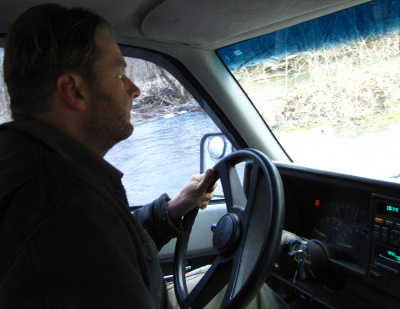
(144, 112)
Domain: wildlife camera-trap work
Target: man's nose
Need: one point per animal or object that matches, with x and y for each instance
(133, 90)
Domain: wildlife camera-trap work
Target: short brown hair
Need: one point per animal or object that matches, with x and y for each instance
(44, 42)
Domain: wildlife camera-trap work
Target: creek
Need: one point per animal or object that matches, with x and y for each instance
(161, 155)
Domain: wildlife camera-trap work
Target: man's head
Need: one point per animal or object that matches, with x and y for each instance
(62, 66)
(44, 42)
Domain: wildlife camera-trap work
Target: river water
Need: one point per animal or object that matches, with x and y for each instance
(161, 155)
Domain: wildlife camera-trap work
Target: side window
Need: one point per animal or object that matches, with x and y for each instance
(5, 114)
(164, 149)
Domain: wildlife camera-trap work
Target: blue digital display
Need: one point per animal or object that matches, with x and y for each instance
(392, 209)
(388, 254)
(388, 209)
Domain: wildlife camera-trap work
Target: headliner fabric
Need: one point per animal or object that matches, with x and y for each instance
(207, 24)
(201, 23)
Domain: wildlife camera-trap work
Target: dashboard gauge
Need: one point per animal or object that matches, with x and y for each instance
(327, 229)
(339, 221)
(354, 237)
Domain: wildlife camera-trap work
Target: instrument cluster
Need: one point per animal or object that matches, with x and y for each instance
(337, 218)
(344, 226)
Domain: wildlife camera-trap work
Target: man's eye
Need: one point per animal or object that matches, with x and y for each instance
(120, 76)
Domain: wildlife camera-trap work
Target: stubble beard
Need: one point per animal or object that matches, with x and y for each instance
(107, 125)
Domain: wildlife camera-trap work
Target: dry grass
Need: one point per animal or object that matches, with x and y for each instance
(341, 87)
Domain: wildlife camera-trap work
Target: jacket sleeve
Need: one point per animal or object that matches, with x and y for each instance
(88, 256)
(155, 219)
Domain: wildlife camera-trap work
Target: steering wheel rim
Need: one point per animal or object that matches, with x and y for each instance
(246, 239)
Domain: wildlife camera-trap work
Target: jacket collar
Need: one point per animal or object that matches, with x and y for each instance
(67, 147)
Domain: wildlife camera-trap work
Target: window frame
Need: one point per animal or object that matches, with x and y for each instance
(183, 75)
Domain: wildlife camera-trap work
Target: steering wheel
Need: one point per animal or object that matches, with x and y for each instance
(246, 239)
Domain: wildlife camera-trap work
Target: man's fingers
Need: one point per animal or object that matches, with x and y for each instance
(206, 199)
(203, 205)
(208, 182)
(208, 196)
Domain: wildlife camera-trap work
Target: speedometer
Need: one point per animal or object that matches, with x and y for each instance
(355, 239)
(327, 229)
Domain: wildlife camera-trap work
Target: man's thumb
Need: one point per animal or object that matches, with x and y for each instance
(210, 177)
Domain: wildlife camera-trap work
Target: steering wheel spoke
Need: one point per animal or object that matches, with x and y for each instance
(231, 185)
(216, 277)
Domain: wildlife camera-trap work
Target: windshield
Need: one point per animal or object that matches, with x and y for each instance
(329, 88)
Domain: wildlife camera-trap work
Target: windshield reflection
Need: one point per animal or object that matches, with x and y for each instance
(329, 89)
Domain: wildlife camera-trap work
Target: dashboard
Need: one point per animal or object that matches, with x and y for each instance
(336, 217)
(357, 223)
(354, 221)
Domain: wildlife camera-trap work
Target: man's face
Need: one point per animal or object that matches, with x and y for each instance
(111, 97)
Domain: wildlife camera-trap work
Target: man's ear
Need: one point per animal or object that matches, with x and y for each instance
(72, 89)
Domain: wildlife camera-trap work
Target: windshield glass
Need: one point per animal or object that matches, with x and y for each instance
(329, 88)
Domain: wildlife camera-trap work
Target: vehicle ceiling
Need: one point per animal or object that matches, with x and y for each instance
(206, 24)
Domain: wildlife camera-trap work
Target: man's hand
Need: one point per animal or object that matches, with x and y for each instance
(197, 192)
